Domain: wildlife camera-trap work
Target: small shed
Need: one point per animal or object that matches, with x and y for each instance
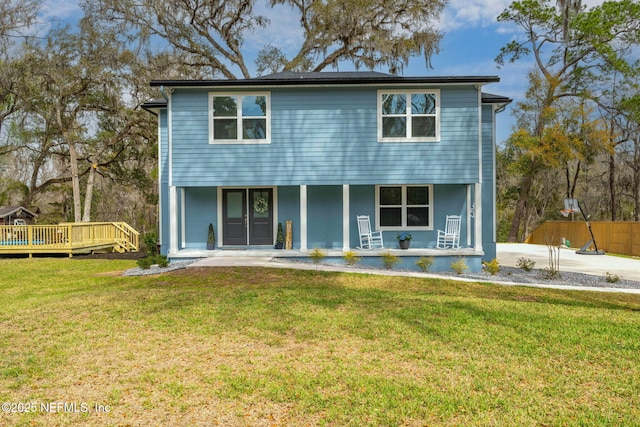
(8, 215)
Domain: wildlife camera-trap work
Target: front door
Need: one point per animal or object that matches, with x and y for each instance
(247, 216)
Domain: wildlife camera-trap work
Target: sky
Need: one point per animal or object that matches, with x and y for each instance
(472, 39)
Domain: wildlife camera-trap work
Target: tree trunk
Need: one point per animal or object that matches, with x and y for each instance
(612, 187)
(86, 217)
(636, 188)
(520, 212)
(75, 181)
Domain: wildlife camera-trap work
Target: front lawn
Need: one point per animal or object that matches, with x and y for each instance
(82, 345)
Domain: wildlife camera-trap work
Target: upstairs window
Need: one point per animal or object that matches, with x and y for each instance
(239, 118)
(409, 116)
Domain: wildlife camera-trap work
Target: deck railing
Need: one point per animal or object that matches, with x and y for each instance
(68, 238)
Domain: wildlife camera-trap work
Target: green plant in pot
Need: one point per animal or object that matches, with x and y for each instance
(211, 239)
(279, 237)
(404, 239)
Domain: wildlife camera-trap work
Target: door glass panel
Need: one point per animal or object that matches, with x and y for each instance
(234, 205)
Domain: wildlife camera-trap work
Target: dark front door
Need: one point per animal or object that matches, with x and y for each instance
(247, 216)
(261, 216)
(234, 217)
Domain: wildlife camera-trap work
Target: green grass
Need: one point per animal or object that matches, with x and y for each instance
(238, 346)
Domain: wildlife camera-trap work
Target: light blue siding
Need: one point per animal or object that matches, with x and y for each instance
(324, 215)
(163, 165)
(289, 209)
(325, 137)
(488, 183)
(200, 211)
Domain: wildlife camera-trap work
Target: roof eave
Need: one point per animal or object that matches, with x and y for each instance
(391, 80)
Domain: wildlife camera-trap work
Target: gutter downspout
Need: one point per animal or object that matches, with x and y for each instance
(164, 95)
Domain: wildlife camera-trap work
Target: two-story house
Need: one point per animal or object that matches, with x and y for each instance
(318, 149)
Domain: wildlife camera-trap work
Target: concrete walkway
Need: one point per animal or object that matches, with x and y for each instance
(508, 255)
(627, 268)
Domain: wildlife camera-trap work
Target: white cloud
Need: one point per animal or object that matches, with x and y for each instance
(60, 9)
(283, 32)
(481, 13)
(474, 13)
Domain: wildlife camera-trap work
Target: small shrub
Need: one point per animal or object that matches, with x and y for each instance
(150, 241)
(612, 277)
(425, 263)
(459, 265)
(549, 273)
(317, 256)
(351, 258)
(148, 261)
(389, 260)
(162, 261)
(492, 267)
(145, 263)
(526, 264)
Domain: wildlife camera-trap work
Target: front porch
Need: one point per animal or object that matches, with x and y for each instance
(322, 216)
(442, 258)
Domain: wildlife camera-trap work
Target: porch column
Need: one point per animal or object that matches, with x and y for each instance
(303, 218)
(173, 220)
(470, 214)
(478, 217)
(183, 215)
(345, 218)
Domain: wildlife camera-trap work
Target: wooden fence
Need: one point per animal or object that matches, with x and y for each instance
(68, 238)
(611, 236)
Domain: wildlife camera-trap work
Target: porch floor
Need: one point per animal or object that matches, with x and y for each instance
(296, 253)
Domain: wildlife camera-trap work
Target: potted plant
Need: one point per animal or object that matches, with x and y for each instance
(279, 237)
(211, 239)
(404, 239)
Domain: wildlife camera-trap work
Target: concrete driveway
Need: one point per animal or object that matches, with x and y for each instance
(627, 268)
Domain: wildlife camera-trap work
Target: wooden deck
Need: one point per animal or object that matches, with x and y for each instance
(68, 238)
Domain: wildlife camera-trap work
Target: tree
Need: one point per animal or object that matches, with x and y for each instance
(210, 33)
(571, 140)
(72, 112)
(569, 52)
(16, 16)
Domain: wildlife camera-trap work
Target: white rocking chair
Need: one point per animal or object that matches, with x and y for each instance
(450, 236)
(368, 239)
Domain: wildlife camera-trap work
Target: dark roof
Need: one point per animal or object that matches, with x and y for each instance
(345, 75)
(289, 78)
(489, 98)
(152, 106)
(5, 211)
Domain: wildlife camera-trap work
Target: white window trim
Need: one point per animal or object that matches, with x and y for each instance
(404, 208)
(408, 94)
(239, 117)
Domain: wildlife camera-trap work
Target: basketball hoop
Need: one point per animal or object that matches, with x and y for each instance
(571, 206)
(565, 212)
